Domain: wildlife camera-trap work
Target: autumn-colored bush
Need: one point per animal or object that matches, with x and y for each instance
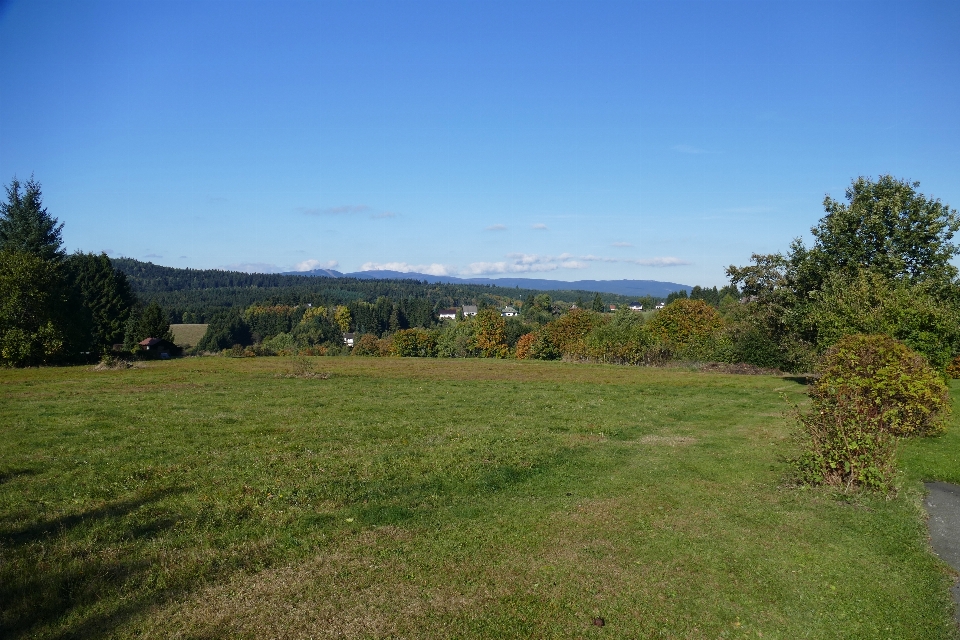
(872, 391)
(524, 345)
(366, 345)
(565, 335)
(489, 334)
(953, 369)
(689, 328)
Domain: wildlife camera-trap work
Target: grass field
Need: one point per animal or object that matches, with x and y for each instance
(431, 498)
(187, 335)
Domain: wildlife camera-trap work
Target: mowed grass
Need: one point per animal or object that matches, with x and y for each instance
(413, 498)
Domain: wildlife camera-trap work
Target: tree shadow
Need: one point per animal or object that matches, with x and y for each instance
(6, 475)
(801, 379)
(47, 578)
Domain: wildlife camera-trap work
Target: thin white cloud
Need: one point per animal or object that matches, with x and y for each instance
(152, 255)
(621, 244)
(434, 269)
(539, 226)
(524, 263)
(664, 261)
(251, 267)
(599, 259)
(384, 214)
(184, 257)
(311, 264)
(496, 227)
(344, 209)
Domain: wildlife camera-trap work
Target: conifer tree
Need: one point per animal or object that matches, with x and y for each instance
(25, 224)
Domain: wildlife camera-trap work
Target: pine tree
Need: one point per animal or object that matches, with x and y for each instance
(597, 303)
(25, 224)
(106, 295)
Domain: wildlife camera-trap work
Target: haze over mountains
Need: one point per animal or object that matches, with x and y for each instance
(637, 288)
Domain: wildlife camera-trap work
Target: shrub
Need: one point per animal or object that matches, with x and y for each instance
(872, 391)
(366, 345)
(525, 345)
(455, 338)
(953, 369)
(910, 396)
(565, 335)
(414, 343)
(689, 328)
(623, 340)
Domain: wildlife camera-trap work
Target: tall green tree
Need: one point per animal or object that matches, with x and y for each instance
(25, 224)
(597, 304)
(105, 294)
(33, 303)
(148, 322)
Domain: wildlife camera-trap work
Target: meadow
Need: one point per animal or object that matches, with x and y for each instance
(347, 497)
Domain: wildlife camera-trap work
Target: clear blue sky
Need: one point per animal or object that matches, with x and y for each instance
(568, 140)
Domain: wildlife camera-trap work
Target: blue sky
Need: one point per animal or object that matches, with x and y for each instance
(566, 140)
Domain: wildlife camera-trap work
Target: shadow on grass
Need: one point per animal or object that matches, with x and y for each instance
(47, 578)
(6, 475)
(804, 380)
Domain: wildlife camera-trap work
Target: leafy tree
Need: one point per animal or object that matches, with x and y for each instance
(688, 327)
(342, 317)
(25, 224)
(677, 295)
(316, 329)
(33, 304)
(489, 335)
(105, 294)
(885, 226)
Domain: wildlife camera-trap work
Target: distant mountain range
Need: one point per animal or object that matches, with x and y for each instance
(636, 288)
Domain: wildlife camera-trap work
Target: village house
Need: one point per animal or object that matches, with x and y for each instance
(469, 310)
(158, 348)
(636, 306)
(448, 314)
(508, 312)
(348, 339)
(660, 305)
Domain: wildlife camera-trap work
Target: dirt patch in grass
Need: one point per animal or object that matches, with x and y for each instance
(667, 441)
(740, 368)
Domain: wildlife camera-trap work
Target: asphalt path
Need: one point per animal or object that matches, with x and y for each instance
(943, 506)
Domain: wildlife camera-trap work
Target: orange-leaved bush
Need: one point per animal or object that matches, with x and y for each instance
(688, 327)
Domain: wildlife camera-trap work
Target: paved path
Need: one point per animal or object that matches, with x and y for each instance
(943, 505)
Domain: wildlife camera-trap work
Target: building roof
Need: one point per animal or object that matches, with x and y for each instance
(149, 342)
(469, 308)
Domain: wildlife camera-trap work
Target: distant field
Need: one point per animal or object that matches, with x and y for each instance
(188, 335)
(250, 498)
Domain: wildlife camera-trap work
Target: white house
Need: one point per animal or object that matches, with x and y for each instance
(348, 339)
(448, 314)
(661, 305)
(469, 310)
(508, 312)
(636, 306)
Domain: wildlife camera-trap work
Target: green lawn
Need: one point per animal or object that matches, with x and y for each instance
(441, 499)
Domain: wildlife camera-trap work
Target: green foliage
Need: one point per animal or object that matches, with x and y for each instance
(224, 330)
(455, 339)
(26, 226)
(623, 340)
(869, 302)
(676, 295)
(316, 329)
(689, 328)
(872, 391)
(105, 294)
(597, 304)
(279, 344)
(415, 343)
(33, 310)
(149, 322)
(266, 321)
(366, 345)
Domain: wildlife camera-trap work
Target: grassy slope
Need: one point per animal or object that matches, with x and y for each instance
(432, 498)
(188, 335)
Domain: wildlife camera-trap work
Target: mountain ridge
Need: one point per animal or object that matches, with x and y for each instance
(625, 287)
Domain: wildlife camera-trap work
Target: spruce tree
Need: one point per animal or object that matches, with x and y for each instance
(105, 294)
(597, 303)
(25, 224)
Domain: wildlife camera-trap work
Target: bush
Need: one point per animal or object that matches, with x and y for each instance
(689, 328)
(623, 340)
(887, 375)
(565, 335)
(489, 334)
(414, 343)
(455, 339)
(872, 391)
(953, 369)
(366, 345)
(525, 345)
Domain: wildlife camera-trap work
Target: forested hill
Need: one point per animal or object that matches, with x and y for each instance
(192, 295)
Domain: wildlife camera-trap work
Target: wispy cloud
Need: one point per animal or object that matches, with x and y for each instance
(344, 209)
(311, 264)
(434, 269)
(152, 255)
(686, 148)
(664, 261)
(524, 263)
(384, 214)
(251, 267)
(496, 227)
(539, 226)
(621, 244)
(184, 257)
(109, 252)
